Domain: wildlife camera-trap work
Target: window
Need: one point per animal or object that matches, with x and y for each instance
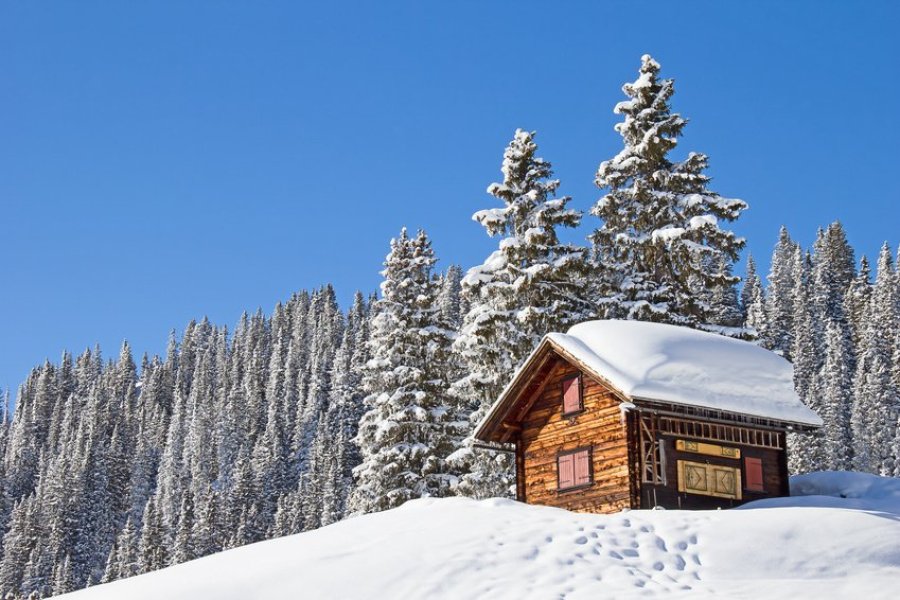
(754, 473)
(709, 480)
(572, 401)
(574, 469)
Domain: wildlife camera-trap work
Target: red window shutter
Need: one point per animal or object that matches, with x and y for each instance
(566, 466)
(572, 395)
(754, 474)
(582, 467)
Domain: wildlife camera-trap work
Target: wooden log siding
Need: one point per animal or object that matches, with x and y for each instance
(547, 433)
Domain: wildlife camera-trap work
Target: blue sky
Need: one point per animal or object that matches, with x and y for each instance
(165, 161)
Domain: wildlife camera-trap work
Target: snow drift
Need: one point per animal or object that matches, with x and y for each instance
(840, 539)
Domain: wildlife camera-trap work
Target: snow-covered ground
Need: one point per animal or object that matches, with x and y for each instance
(815, 545)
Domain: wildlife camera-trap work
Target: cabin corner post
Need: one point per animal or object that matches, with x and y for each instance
(632, 417)
(783, 473)
(520, 470)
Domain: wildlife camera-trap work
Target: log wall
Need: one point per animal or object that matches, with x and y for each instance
(545, 433)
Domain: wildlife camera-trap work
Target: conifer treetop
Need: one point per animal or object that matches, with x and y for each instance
(661, 237)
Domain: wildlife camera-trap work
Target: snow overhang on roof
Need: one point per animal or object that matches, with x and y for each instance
(671, 364)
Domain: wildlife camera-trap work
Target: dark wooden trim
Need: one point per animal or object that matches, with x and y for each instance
(533, 397)
(635, 491)
(509, 400)
(722, 417)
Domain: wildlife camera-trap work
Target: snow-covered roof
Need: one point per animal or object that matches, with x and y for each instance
(679, 365)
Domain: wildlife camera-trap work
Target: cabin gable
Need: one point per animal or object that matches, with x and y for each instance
(574, 459)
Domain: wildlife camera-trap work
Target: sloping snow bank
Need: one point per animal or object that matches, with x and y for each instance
(814, 546)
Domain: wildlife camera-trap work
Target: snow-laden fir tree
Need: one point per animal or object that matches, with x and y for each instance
(834, 388)
(856, 301)
(805, 452)
(532, 284)
(877, 399)
(410, 426)
(833, 271)
(450, 299)
(661, 237)
(725, 314)
(779, 323)
(753, 301)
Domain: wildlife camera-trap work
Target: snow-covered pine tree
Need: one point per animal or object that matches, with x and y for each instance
(450, 300)
(805, 452)
(531, 285)
(661, 237)
(345, 409)
(410, 426)
(877, 403)
(779, 323)
(153, 548)
(833, 271)
(724, 306)
(753, 301)
(747, 291)
(856, 302)
(835, 390)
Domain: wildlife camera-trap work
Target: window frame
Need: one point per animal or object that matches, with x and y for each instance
(580, 486)
(580, 383)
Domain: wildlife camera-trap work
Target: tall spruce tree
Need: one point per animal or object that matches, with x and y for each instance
(835, 389)
(531, 285)
(661, 237)
(410, 427)
(753, 302)
(779, 323)
(877, 402)
(805, 452)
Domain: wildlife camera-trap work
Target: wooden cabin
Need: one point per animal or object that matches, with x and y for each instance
(628, 414)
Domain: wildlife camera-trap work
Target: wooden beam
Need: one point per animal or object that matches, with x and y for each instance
(545, 379)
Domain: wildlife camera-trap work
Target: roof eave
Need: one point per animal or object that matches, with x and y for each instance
(782, 423)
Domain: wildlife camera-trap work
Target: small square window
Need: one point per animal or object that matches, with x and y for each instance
(574, 469)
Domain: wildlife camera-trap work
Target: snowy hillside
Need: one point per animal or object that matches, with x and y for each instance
(821, 546)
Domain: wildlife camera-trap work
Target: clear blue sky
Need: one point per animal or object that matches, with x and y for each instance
(163, 161)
